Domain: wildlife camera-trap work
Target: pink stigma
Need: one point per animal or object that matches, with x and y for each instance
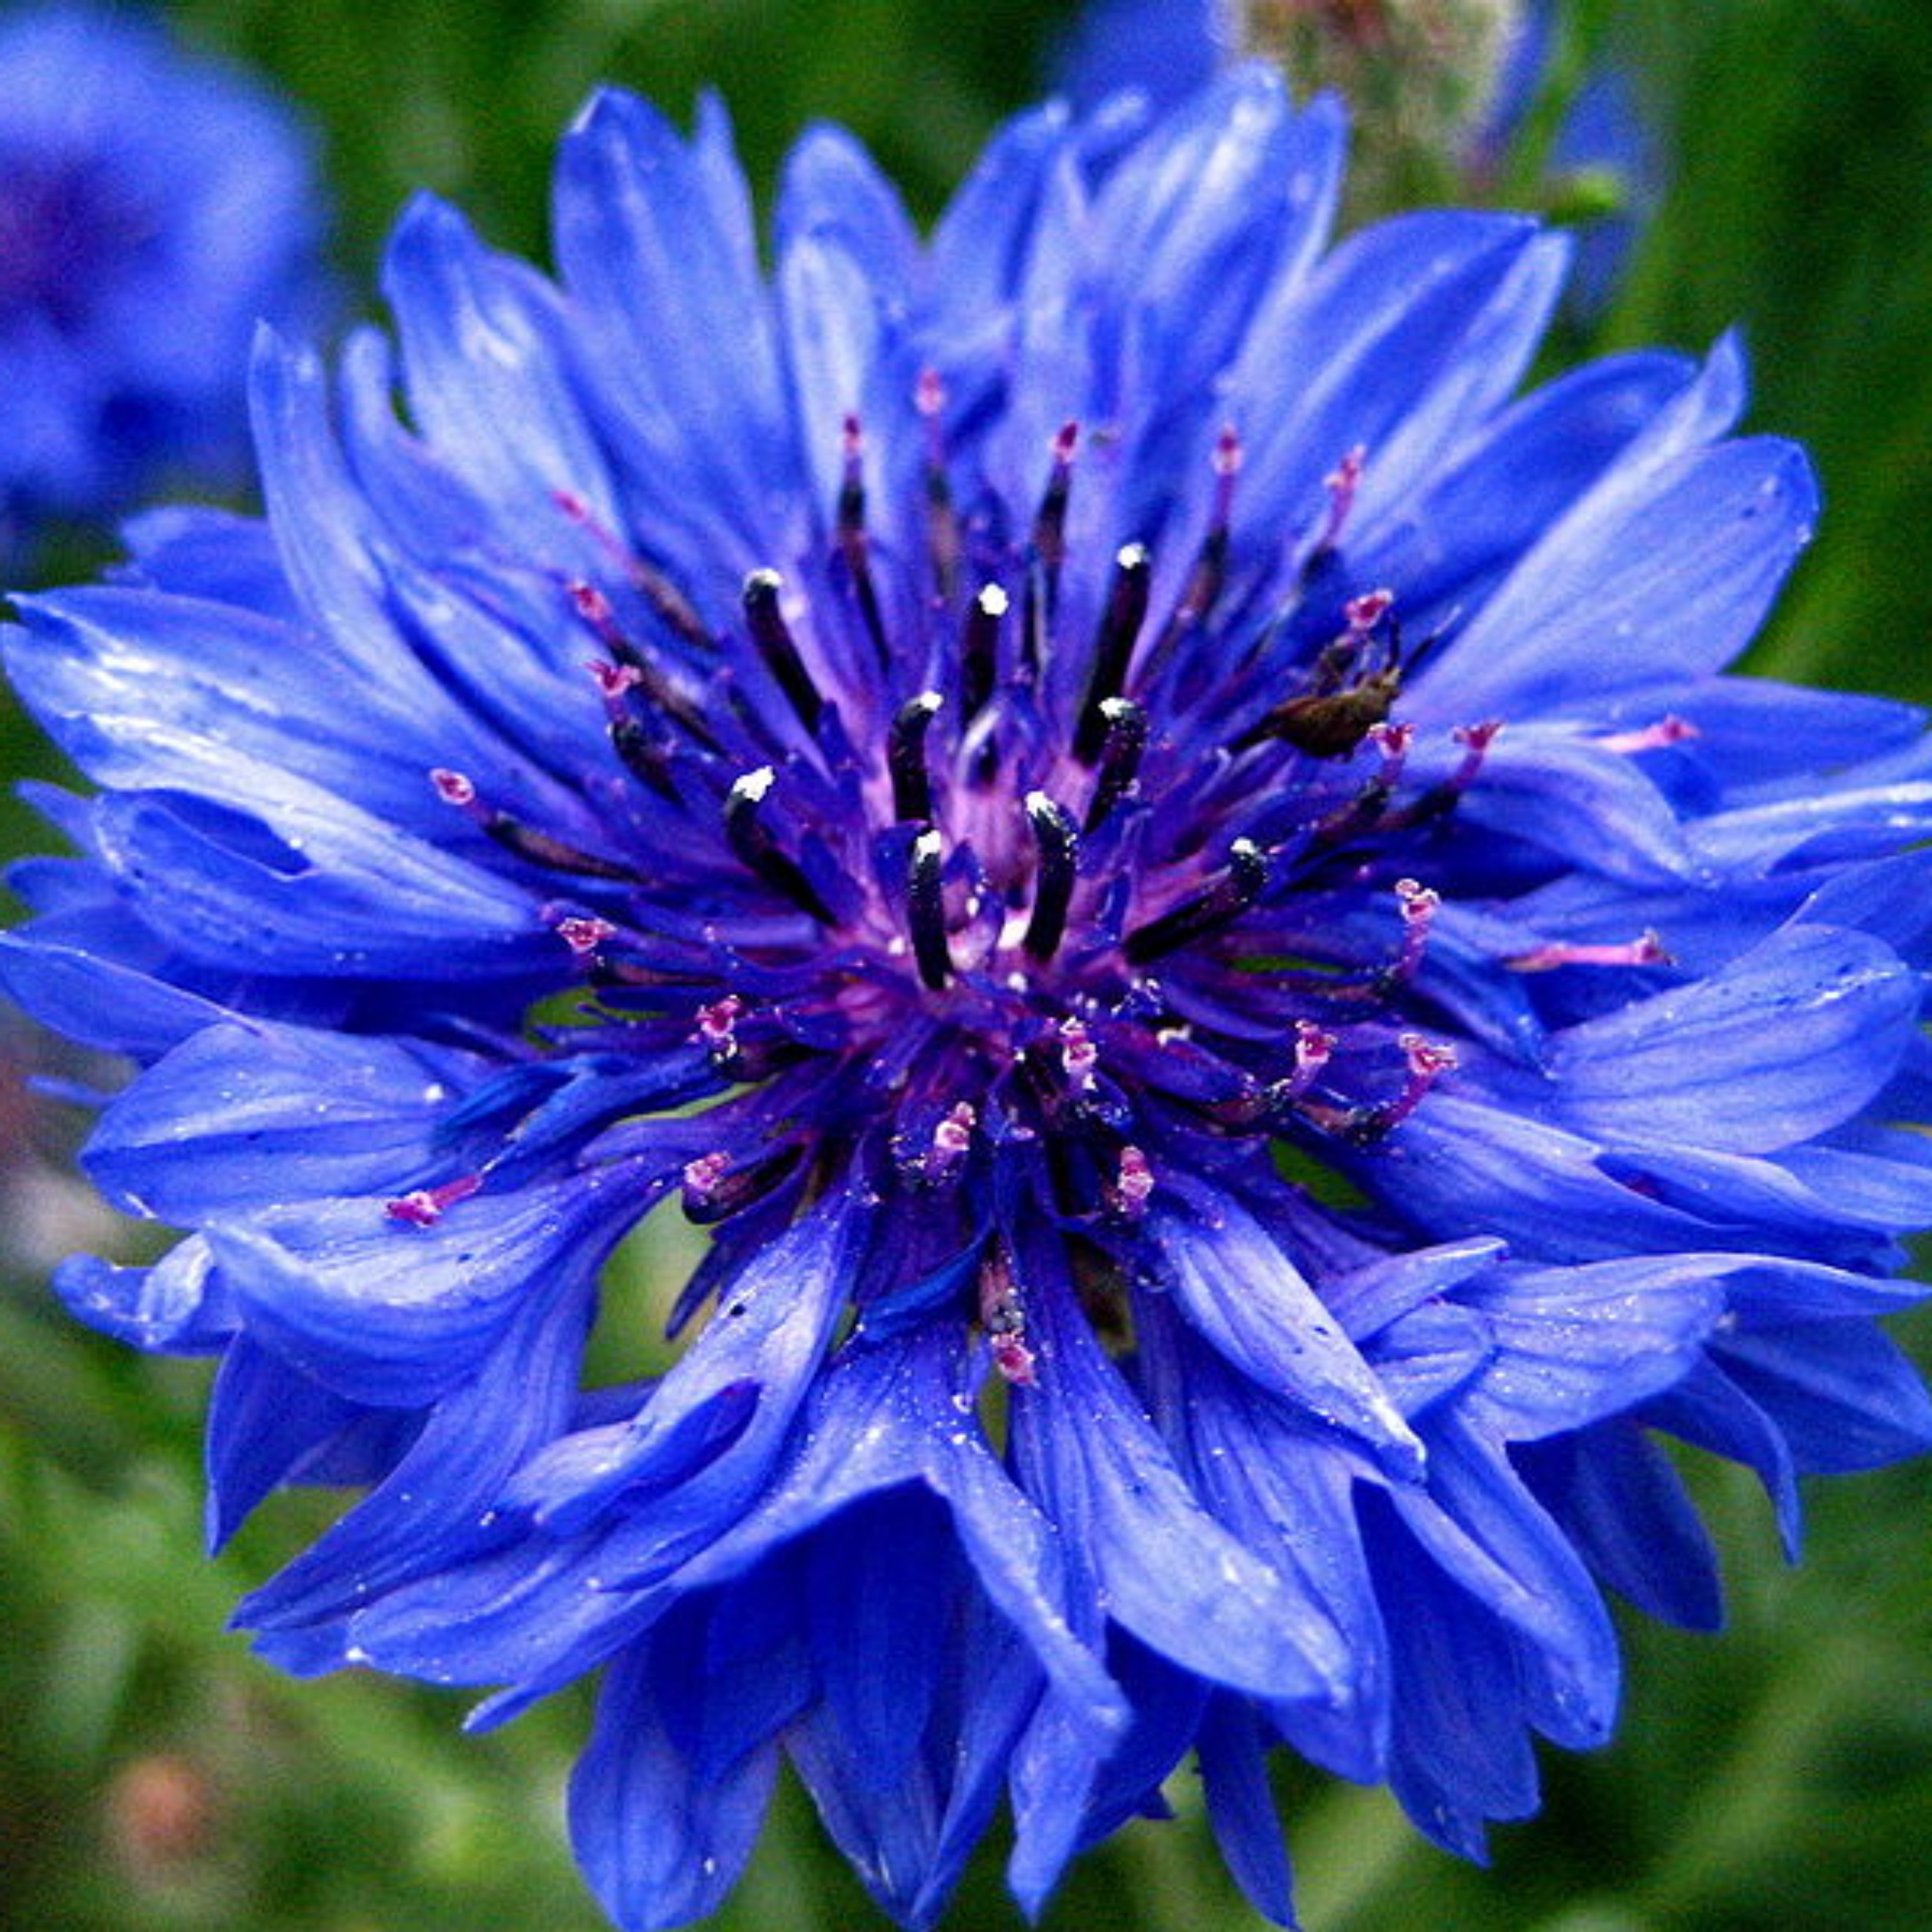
(718, 1023)
(1313, 1048)
(1079, 1056)
(1342, 483)
(614, 680)
(1646, 949)
(703, 1177)
(1668, 729)
(424, 1207)
(584, 936)
(1132, 1183)
(1365, 612)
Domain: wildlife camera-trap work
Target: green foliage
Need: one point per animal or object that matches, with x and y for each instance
(154, 1778)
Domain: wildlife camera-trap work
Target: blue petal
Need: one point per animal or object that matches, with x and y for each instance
(1650, 576)
(834, 318)
(1708, 1408)
(570, 1482)
(389, 1313)
(179, 1306)
(1541, 1188)
(880, 1588)
(201, 1133)
(201, 552)
(1386, 316)
(1241, 1807)
(654, 239)
(1430, 1353)
(891, 1414)
(910, 1841)
(829, 184)
(772, 1325)
(1455, 530)
(1482, 1526)
(1795, 1037)
(1085, 1450)
(488, 366)
(321, 527)
(1766, 1202)
(99, 1002)
(434, 1510)
(1574, 1344)
(660, 1842)
(268, 1426)
(144, 689)
(1247, 1297)
(1596, 809)
(980, 242)
(1289, 1494)
(1189, 229)
(1167, 1703)
(1846, 821)
(1367, 1298)
(877, 1753)
(1844, 1396)
(327, 890)
(1621, 1503)
(1460, 1755)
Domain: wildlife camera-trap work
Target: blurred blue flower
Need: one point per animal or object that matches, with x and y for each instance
(1171, 870)
(152, 207)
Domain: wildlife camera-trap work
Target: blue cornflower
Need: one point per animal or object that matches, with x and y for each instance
(1171, 870)
(152, 209)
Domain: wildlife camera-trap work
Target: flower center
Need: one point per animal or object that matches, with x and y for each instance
(59, 223)
(999, 846)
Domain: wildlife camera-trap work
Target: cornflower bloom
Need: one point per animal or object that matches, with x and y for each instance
(152, 208)
(1171, 870)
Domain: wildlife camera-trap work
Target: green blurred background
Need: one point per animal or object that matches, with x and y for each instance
(154, 1778)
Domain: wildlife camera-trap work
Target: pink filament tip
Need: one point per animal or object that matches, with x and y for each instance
(584, 936)
(1428, 1060)
(1365, 612)
(453, 787)
(1014, 1361)
(424, 1207)
(1418, 902)
(613, 680)
(953, 1136)
(717, 1022)
(1132, 1183)
(1392, 741)
(1646, 949)
(1314, 1047)
(703, 1176)
(1668, 729)
(1079, 1056)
